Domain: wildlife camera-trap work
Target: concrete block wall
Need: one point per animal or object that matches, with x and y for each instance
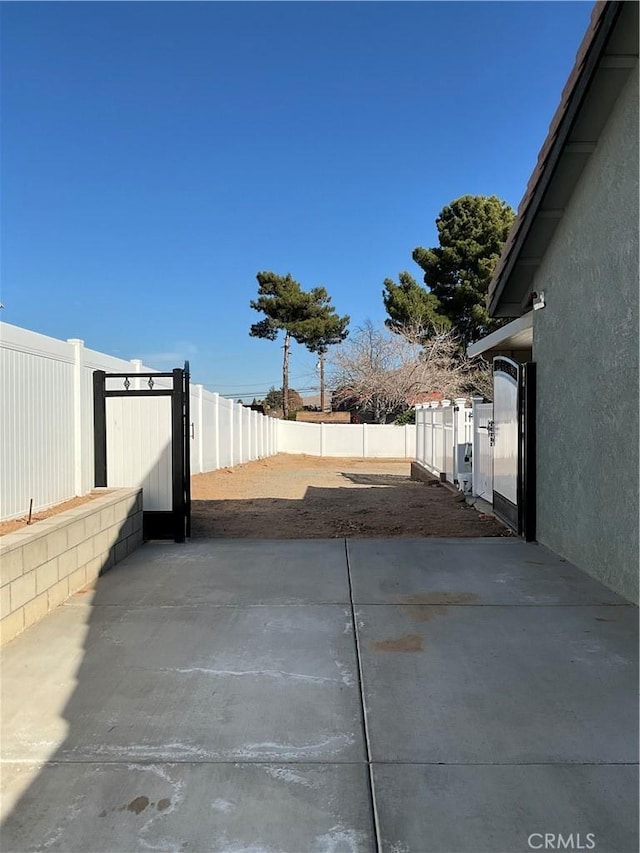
(44, 564)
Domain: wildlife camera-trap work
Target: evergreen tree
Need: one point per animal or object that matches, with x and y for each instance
(471, 233)
(307, 317)
(411, 308)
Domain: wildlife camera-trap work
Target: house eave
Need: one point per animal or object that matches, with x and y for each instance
(605, 59)
(516, 336)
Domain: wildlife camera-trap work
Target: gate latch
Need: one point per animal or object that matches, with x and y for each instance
(491, 431)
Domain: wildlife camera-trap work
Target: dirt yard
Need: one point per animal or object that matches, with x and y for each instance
(23, 522)
(306, 497)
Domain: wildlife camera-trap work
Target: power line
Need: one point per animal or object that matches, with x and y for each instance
(275, 385)
(243, 393)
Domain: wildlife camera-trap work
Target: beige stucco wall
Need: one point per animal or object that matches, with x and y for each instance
(586, 349)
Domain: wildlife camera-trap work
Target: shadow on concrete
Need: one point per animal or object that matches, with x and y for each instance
(136, 719)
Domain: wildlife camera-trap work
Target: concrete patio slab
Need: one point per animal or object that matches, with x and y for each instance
(231, 572)
(507, 809)
(466, 684)
(213, 684)
(226, 808)
(483, 571)
(214, 697)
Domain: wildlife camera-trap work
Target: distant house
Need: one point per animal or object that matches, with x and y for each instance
(569, 275)
(323, 417)
(312, 401)
(348, 400)
(420, 397)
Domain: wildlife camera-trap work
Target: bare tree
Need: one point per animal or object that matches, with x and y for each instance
(481, 378)
(458, 374)
(382, 372)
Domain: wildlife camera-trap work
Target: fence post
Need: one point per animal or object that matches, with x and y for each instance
(321, 439)
(406, 441)
(458, 430)
(78, 363)
(248, 451)
(365, 443)
(425, 424)
(433, 405)
(254, 434)
(200, 389)
(431, 414)
(216, 430)
(137, 366)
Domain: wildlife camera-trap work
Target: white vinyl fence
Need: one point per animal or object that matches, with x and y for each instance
(46, 427)
(225, 433)
(444, 440)
(455, 440)
(47, 434)
(373, 441)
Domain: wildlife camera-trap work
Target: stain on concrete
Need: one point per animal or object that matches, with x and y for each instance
(408, 643)
(425, 606)
(138, 805)
(423, 613)
(438, 597)
(163, 804)
(603, 619)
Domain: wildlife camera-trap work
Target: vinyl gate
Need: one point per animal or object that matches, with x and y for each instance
(506, 439)
(146, 442)
(514, 444)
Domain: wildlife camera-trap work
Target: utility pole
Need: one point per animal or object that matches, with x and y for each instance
(285, 376)
(322, 382)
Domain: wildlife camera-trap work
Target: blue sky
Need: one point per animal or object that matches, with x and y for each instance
(156, 156)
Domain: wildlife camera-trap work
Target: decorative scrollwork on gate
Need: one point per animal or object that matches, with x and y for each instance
(503, 365)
